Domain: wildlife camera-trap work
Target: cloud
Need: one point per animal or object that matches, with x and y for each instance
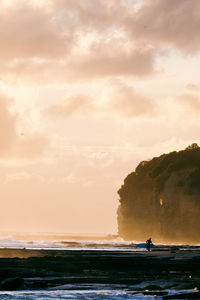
(189, 101)
(192, 87)
(102, 60)
(167, 23)
(28, 31)
(98, 15)
(13, 143)
(156, 22)
(113, 59)
(69, 40)
(121, 100)
(128, 103)
(74, 104)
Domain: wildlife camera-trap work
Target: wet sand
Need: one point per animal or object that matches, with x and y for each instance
(54, 269)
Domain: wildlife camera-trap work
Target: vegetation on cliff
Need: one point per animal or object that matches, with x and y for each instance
(161, 199)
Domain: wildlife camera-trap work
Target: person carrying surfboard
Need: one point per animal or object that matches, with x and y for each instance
(148, 243)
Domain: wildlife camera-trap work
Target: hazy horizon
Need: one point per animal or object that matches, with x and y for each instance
(88, 89)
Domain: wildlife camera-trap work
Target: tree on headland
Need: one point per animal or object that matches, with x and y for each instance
(192, 146)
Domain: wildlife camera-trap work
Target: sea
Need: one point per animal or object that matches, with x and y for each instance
(52, 241)
(79, 242)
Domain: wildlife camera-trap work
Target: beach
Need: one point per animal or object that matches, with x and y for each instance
(157, 274)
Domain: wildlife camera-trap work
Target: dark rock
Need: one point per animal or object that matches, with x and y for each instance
(152, 288)
(194, 295)
(12, 284)
(155, 293)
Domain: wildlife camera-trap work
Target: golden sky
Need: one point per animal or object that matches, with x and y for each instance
(88, 89)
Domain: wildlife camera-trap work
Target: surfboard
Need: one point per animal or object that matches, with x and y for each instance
(144, 245)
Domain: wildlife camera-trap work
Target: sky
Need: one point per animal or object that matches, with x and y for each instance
(88, 89)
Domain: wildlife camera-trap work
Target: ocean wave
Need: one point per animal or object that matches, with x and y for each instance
(64, 242)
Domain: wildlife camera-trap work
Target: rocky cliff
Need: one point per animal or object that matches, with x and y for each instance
(161, 199)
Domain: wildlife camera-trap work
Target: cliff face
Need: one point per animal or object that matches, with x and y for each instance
(161, 199)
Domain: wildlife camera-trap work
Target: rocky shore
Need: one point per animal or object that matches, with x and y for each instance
(150, 273)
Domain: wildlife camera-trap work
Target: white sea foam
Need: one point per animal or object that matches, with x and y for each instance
(78, 242)
(76, 294)
(94, 294)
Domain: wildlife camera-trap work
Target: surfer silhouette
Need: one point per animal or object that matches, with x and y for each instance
(149, 242)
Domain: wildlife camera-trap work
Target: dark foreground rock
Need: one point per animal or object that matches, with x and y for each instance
(12, 284)
(137, 272)
(193, 295)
